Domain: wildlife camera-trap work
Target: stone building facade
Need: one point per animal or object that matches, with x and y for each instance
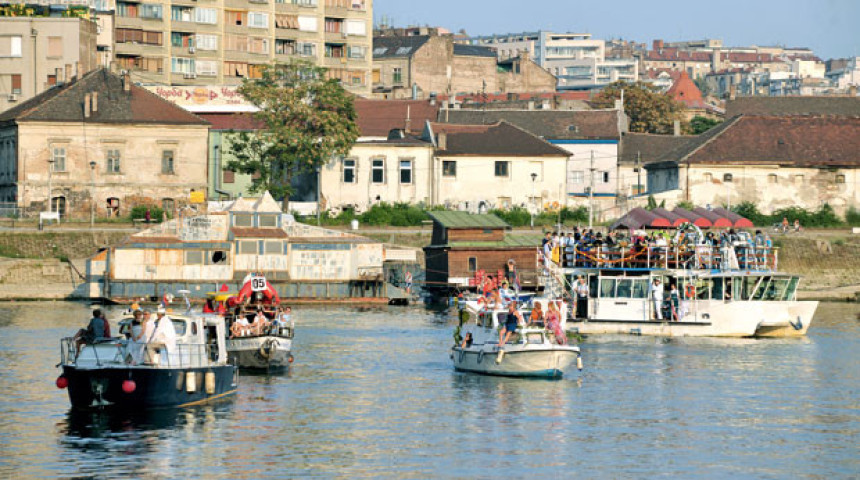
(100, 146)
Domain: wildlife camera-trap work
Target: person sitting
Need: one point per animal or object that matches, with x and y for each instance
(512, 321)
(98, 328)
(467, 341)
(240, 327)
(553, 323)
(536, 318)
(261, 323)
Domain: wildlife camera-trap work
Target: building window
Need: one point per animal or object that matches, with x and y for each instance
(577, 176)
(194, 257)
(113, 207)
(348, 170)
(243, 220)
(167, 162)
(274, 247)
(113, 159)
(267, 220)
(397, 75)
(58, 159)
(798, 179)
(406, 172)
(708, 177)
(840, 178)
(473, 264)
(168, 205)
(150, 11)
(16, 83)
(377, 170)
(228, 176)
(55, 47)
(205, 15)
(258, 20)
(505, 202)
(10, 46)
(727, 177)
(449, 168)
(771, 178)
(232, 17)
(605, 176)
(248, 247)
(502, 168)
(58, 204)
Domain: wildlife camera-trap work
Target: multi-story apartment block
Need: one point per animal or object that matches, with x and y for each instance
(576, 59)
(208, 42)
(38, 52)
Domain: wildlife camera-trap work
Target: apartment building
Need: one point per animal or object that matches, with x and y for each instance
(220, 42)
(38, 52)
(576, 59)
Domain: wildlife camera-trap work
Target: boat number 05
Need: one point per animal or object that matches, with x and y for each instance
(258, 284)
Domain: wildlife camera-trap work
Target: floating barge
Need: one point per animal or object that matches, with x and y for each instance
(202, 252)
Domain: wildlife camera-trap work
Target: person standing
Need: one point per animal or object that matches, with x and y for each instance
(657, 298)
(164, 335)
(553, 323)
(675, 300)
(581, 290)
(512, 320)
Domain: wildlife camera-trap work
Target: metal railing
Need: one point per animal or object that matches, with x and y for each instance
(737, 257)
(115, 352)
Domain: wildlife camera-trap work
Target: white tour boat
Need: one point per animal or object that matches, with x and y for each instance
(532, 352)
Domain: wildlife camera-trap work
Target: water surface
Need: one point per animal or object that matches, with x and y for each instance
(373, 394)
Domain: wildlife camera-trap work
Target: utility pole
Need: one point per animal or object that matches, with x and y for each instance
(591, 193)
(638, 173)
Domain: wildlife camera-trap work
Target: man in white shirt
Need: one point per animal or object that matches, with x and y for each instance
(657, 298)
(164, 338)
(581, 289)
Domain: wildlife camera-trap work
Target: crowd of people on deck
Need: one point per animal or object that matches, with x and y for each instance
(687, 249)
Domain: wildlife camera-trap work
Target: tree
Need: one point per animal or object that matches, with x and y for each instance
(307, 120)
(700, 124)
(649, 110)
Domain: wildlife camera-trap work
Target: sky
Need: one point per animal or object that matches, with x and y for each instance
(829, 27)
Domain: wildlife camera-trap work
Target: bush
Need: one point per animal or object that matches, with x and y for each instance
(824, 217)
(139, 211)
(515, 217)
(398, 215)
(852, 217)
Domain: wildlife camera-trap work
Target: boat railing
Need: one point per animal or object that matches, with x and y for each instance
(640, 256)
(114, 352)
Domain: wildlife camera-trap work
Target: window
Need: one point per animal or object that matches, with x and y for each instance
(449, 168)
(273, 247)
(182, 65)
(354, 51)
(10, 46)
(167, 162)
(577, 176)
(243, 220)
(206, 42)
(267, 220)
(178, 39)
(377, 170)
(798, 179)
(248, 247)
(16, 83)
(771, 178)
(58, 159)
(236, 43)
(55, 47)
(306, 49)
(228, 176)
(473, 264)
(286, 22)
(708, 177)
(406, 172)
(181, 14)
(333, 25)
(333, 50)
(168, 204)
(504, 202)
(113, 158)
(348, 170)
(307, 24)
(258, 20)
(206, 68)
(194, 257)
(258, 45)
(727, 177)
(58, 204)
(840, 178)
(112, 207)
(205, 15)
(285, 47)
(356, 27)
(233, 17)
(503, 168)
(605, 176)
(397, 76)
(150, 11)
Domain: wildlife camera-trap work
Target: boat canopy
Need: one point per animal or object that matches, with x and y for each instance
(640, 218)
(675, 219)
(717, 221)
(695, 218)
(737, 220)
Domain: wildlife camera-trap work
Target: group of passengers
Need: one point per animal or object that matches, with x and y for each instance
(147, 337)
(261, 322)
(585, 248)
(551, 320)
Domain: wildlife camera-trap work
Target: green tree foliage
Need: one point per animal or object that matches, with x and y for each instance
(649, 110)
(652, 203)
(520, 217)
(686, 205)
(699, 124)
(852, 217)
(824, 217)
(307, 120)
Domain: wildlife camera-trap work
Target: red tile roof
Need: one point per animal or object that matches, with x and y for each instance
(501, 139)
(378, 117)
(686, 92)
(232, 121)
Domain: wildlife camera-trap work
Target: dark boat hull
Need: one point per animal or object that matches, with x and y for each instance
(154, 387)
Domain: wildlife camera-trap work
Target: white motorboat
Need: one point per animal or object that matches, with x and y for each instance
(532, 352)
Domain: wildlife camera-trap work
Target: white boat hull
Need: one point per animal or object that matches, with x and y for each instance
(518, 361)
(265, 352)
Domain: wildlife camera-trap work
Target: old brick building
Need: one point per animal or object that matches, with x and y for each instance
(100, 139)
(435, 64)
(465, 243)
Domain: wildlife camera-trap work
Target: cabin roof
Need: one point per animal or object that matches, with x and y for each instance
(467, 220)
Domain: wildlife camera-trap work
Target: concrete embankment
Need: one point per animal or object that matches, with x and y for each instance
(49, 265)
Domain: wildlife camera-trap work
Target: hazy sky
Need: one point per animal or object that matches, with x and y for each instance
(830, 27)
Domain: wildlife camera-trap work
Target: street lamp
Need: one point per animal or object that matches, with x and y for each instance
(534, 177)
(92, 194)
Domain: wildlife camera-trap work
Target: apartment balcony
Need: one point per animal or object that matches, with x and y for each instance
(139, 22)
(138, 49)
(331, 37)
(335, 62)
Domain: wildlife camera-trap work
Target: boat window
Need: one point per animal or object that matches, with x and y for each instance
(747, 286)
(194, 328)
(592, 286)
(718, 282)
(607, 287)
(703, 289)
(625, 286)
(776, 290)
(760, 289)
(640, 288)
(792, 287)
(179, 326)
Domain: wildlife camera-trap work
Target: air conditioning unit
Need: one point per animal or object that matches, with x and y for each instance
(191, 49)
(189, 76)
(13, 97)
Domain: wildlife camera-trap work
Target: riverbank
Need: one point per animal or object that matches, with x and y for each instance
(48, 265)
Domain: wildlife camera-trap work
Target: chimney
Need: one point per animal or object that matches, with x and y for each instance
(58, 72)
(408, 118)
(68, 75)
(77, 70)
(676, 128)
(87, 105)
(658, 45)
(126, 82)
(733, 92)
(95, 102)
(442, 141)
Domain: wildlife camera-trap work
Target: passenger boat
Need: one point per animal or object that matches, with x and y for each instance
(532, 352)
(269, 350)
(729, 291)
(105, 375)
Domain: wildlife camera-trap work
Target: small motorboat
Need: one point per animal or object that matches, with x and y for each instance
(119, 373)
(532, 352)
(266, 348)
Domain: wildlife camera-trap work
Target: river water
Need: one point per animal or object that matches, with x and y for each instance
(373, 394)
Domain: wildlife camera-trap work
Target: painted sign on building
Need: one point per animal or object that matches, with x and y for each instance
(204, 98)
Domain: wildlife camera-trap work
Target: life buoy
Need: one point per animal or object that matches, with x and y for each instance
(480, 356)
(268, 348)
(691, 290)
